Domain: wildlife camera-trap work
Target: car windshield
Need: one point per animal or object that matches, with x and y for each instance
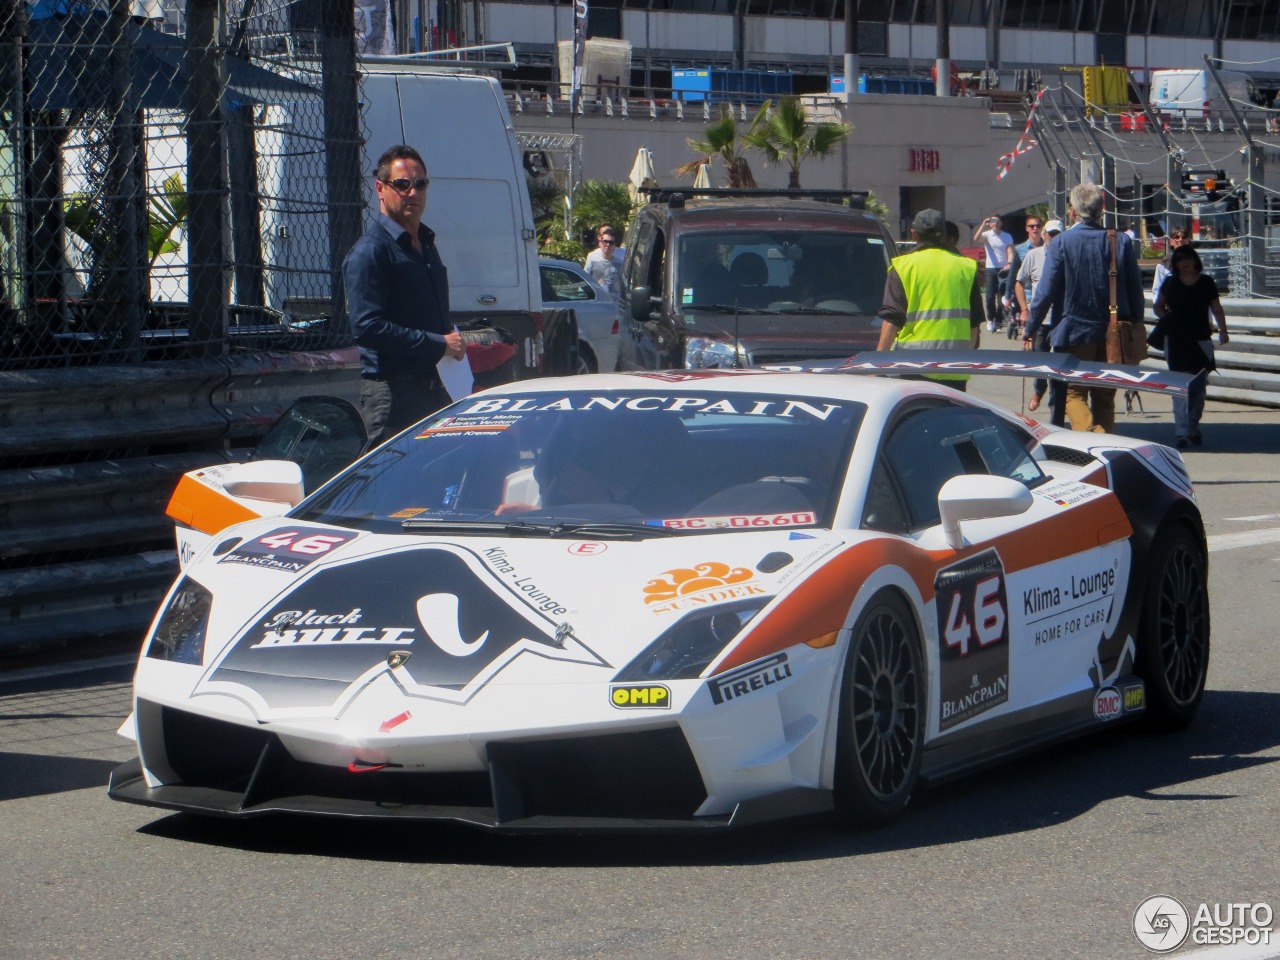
(782, 271)
(640, 462)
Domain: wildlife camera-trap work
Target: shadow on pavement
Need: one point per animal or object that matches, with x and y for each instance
(1038, 791)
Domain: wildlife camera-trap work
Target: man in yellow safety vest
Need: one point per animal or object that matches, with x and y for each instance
(931, 298)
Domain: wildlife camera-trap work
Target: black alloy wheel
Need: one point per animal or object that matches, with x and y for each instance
(1173, 652)
(882, 714)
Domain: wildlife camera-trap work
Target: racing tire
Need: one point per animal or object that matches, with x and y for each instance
(882, 715)
(1173, 631)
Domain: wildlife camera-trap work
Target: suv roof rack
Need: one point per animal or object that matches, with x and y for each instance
(676, 196)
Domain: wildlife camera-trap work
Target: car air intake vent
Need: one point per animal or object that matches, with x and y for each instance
(650, 774)
(1076, 458)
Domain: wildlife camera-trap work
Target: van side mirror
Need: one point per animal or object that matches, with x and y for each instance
(640, 304)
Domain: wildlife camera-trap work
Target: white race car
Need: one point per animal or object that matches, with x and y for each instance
(668, 600)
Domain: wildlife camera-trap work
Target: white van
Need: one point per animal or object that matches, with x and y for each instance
(478, 206)
(1190, 91)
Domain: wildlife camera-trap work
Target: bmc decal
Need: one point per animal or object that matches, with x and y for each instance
(289, 549)
(1107, 703)
(687, 587)
(456, 623)
(973, 638)
(1134, 697)
(626, 696)
(750, 678)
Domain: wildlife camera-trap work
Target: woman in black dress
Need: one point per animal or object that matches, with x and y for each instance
(1183, 304)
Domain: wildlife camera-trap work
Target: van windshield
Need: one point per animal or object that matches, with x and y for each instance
(783, 270)
(656, 462)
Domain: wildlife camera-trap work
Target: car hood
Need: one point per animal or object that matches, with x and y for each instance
(792, 334)
(444, 618)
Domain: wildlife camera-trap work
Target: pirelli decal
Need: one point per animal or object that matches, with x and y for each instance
(750, 678)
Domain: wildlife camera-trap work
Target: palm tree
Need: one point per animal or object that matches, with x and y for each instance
(788, 135)
(722, 141)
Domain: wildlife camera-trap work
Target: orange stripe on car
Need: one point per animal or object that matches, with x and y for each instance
(817, 608)
(205, 508)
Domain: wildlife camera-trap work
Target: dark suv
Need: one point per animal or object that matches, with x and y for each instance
(728, 278)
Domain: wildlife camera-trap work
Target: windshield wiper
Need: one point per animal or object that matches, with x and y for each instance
(551, 529)
(720, 308)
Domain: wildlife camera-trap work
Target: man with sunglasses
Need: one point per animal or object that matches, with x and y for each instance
(397, 292)
(604, 263)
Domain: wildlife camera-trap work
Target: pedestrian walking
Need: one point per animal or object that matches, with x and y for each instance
(604, 263)
(1076, 280)
(1186, 300)
(397, 292)
(1036, 336)
(998, 246)
(931, 297)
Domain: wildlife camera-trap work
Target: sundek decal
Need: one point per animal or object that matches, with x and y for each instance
(313, 649)
(973, 638)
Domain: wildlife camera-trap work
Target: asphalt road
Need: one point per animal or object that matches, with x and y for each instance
(1047, 857)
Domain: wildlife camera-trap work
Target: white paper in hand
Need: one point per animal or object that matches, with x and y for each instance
(456, 376)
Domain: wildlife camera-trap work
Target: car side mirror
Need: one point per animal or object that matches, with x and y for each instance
(639, 304)
(977, 497)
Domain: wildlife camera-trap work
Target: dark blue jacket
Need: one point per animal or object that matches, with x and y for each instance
(397, 301)
(1075, 281)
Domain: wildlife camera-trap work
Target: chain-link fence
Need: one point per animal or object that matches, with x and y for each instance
(175, 185)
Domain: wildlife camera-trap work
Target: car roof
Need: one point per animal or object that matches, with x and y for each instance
(714, 212)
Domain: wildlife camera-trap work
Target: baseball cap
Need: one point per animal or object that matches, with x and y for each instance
(929, 224)
(1053, 226)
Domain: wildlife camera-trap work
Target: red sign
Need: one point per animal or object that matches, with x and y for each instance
(923, 160)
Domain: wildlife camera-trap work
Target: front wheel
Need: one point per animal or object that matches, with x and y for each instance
(882, 714)
(1173, 633)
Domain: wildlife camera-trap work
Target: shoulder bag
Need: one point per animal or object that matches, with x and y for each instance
(1126, 337)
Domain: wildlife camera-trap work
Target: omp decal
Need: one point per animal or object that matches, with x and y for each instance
(973, 638)
(1135, 697)
(712, 582)
(460, 623)
(1108, 704)
(627, 696)
(752, 520)
(748, 679)
(288, 549)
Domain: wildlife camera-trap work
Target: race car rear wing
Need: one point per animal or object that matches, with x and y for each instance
(1007, 363)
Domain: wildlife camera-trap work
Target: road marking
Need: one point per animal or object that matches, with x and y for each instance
(1258, 519)
(1249, 538)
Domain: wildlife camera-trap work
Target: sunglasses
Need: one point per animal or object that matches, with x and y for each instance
(608, 239)
(404, 184)
(1034, 226)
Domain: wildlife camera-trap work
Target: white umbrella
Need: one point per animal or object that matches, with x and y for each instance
(642, 173)
(702, 180)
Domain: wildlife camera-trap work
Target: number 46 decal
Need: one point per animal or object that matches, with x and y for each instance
(971, 604)
(298, 541)
(977, 615)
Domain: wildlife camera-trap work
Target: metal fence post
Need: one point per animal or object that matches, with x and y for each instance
(206, 180)
(341, 136)
(1256, 221)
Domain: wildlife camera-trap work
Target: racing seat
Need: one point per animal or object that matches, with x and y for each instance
(749, 274)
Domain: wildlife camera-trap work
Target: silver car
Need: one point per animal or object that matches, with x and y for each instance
(566, 284)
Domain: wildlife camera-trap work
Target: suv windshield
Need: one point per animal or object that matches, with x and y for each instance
(642, 460)
(782, 270)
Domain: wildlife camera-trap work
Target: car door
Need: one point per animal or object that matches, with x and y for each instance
(648, 343)
(597, 313)
(1026, 614)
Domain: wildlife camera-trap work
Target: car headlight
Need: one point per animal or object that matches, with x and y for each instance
(683, 651)
(179, 636)
(702, 352)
